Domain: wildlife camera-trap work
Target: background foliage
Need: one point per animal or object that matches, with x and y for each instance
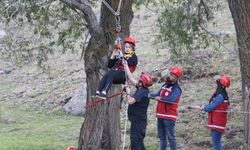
(52, 27)
(38, 28)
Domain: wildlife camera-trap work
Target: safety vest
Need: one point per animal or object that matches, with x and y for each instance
(217, 119)
(166, 110)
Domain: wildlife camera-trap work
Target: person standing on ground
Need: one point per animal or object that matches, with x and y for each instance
(137, 109)
(168, 99)
(217, 110)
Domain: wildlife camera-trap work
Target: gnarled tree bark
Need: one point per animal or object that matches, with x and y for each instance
(101, 127)
(240, 10)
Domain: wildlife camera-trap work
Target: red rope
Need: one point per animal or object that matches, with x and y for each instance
(101, 100)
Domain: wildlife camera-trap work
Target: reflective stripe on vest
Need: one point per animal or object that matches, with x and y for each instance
(215, 126)
(165, 115)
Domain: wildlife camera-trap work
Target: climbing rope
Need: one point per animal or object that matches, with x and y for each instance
(126, 115)
(116, 13)
(191, 107)
(102, 100)
(186, 106)
(118, 27)
(227, 111)
(125, 127)
(118, 42)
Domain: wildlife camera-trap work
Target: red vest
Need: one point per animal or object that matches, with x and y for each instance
(217, 119)
(167, 110)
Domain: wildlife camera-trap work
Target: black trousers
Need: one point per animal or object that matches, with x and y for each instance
(137, 134)
(111, 77)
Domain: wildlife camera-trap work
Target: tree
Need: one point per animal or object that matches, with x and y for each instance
(241, 16)
(101, 129)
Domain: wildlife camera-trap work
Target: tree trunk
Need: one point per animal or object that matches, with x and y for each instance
(101, 128)
(240, 10)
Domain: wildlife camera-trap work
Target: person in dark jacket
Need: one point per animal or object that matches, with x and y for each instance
(137, 110)
(167, 103)
(116, 74)
(217, 111)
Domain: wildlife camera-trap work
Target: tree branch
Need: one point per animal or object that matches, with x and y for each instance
(214, 37)
(86, 38)
(89, 15)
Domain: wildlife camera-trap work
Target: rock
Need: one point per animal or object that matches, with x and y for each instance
(2, 72)
(2, 34)
(75, 105)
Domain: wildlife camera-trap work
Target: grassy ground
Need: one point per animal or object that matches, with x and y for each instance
(22, 129)
(31, 116)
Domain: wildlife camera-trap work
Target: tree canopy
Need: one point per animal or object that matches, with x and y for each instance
(38, 28)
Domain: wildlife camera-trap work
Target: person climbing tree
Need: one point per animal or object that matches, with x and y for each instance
(117, 75)
(168, 99)
(216, 108)
(138, 106)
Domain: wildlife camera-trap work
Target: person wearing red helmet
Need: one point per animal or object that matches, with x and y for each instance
(168, 99)
(216, 108)
(138, 106)
(116, 74)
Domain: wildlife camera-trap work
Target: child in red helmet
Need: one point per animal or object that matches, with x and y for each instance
(116, 75)
(216, 108)
(138, 106)
(168, 99)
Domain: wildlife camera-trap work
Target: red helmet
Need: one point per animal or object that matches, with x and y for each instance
(71, 148)
(225, 81)
(176, 71)
(146, 80)
(130, 40)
